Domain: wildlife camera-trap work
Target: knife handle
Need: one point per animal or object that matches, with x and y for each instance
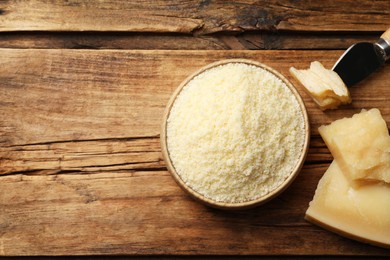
(386, 36)
(383, 45)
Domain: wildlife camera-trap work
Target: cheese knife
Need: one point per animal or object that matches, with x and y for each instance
(361, 59)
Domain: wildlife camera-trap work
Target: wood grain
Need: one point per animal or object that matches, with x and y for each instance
(81, 169)
(166, 41)
(146, 213)
(107, 40)
(194, 16)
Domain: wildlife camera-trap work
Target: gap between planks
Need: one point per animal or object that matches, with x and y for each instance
(163, 41)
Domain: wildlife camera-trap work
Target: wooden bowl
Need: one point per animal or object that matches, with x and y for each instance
(239, 205)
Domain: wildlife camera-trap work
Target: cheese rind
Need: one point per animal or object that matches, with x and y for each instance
(362, 214)
(325, 86)
(361, 145)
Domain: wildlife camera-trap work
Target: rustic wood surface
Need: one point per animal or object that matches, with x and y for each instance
(83, 86)
(82, 168)
(194, 16)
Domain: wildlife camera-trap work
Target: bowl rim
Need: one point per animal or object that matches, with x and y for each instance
(245, 204)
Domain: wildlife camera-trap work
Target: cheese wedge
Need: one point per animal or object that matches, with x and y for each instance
(361, 145)
(362, 214)
(325, 86)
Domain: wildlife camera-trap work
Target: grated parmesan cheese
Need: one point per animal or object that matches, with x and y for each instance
(235, 133)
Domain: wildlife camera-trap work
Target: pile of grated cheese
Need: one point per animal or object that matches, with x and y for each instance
(235, 133)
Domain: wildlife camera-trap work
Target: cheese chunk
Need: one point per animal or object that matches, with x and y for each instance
(325, 86)
(361, 145)
(362, 214)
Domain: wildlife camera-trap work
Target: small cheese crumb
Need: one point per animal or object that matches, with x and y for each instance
(325, 86)
(235, 133)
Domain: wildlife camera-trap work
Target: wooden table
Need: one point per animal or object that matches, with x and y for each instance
(83, 86)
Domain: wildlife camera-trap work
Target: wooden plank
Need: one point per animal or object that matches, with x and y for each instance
(65, 95)
(299, 41)
(104, 40)
(146, 213)
(199, 17)
(81, 169)
(163, 41)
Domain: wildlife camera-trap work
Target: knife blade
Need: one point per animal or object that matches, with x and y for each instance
(361, 59)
